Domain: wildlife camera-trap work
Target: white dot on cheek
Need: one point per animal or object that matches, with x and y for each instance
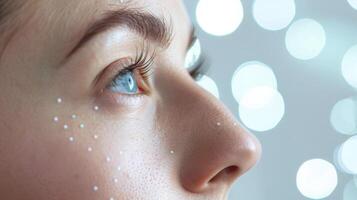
(95, 188)
(65, 126)
(96, 108)
(111, 198)
(95, 137)
(116, 180)
(218, 123)
(74, 116)
(59, 100)
(90, 149)
(119, 168)
(56, 119)
(71, 139)
(81, 126)
(108, 159)
(172, 152)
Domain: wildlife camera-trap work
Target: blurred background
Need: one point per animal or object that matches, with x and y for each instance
(288, 71)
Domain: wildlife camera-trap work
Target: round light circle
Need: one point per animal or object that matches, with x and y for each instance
(208, 84)
(350, 191)
(262, 108)
(305, 39)
(274, 14)
(344, 116)
(316, 179)
(250, 75)
(347, 155)
(349, 66)
(219, 17)
(353, 3)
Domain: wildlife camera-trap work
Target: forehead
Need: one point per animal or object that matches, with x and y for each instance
(86, 10)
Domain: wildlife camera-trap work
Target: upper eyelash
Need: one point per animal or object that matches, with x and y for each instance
(143, 62)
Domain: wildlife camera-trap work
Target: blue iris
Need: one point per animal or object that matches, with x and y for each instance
(125, 82)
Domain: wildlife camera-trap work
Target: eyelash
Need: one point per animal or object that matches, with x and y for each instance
(143, 62)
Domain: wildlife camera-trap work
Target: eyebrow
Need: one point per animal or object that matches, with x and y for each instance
(5, 9)
(145, 24)
(8, 8)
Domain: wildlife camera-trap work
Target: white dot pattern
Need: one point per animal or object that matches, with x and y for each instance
(71, 139)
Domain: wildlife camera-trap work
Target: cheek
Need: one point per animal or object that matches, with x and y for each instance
(84, 153)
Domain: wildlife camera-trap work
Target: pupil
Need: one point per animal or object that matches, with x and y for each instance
(131, 83)
(128, 82)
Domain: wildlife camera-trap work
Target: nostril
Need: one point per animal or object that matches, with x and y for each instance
(227, 174)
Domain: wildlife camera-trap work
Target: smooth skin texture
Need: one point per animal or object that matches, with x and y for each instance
(166, 143)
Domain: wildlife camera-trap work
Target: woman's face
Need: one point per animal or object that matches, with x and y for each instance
(96, 103)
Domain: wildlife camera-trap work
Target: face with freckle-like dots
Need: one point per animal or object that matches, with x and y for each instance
(99, 103)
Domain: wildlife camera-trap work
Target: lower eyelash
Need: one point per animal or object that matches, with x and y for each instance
(125, 99)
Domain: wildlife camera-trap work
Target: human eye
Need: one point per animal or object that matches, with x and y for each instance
(195, 61)
(128, 77)
(131, 76)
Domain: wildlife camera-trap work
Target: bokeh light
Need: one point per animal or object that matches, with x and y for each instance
(350, 191)
(305, 39)
(250, 75)
(316, 179)
(261, 108)
(274, 14)
(349, 66)
(353, 3)
(347, 156)
(344, 116)
(209, 84)
(219, 17)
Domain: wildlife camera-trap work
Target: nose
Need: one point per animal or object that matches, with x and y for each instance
(214, 149)
(218, 149)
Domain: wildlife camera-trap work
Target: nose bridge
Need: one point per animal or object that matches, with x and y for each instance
(214, 147)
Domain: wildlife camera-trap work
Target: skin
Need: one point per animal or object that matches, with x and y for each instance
(138, 133)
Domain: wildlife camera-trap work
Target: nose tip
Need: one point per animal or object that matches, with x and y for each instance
(220, 161)
(248, 153)
(242, 152)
